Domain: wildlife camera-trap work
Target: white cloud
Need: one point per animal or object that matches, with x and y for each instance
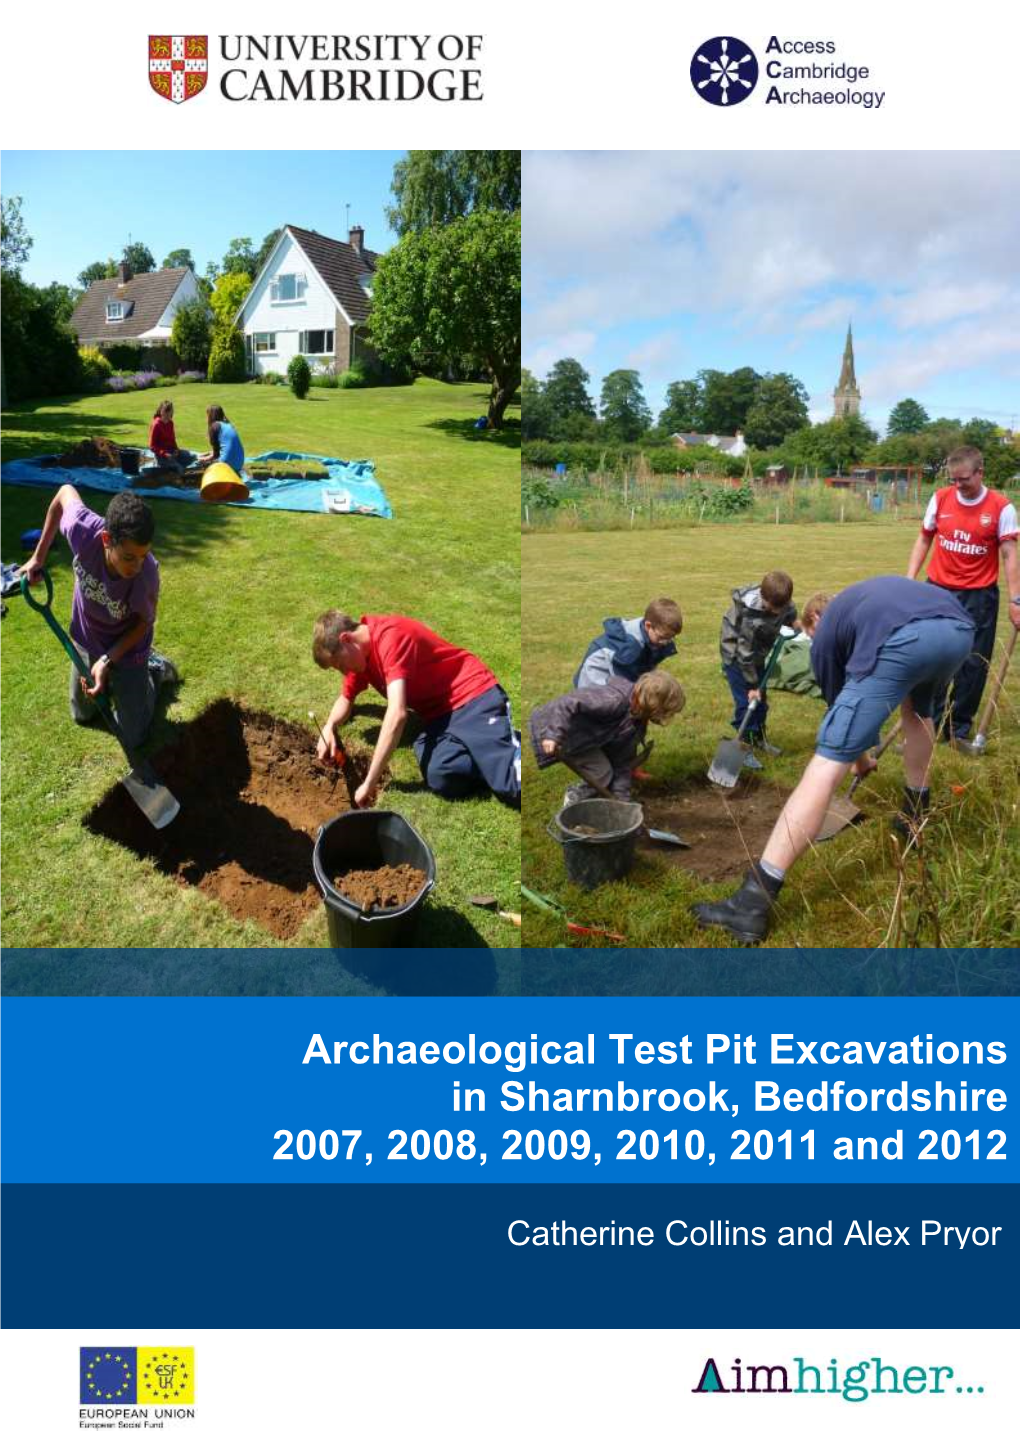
(578, 344)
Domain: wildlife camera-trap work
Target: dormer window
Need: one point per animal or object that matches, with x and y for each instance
(115, 310)
(288, 287)
(365, 281)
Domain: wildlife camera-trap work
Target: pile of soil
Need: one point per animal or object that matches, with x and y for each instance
(98, 452)
(382, 890)
(726, 829)
(287, 471)
(253, 797)
(188, 480)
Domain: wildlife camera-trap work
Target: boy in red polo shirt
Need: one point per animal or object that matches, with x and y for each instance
(970, 527)
(467, 742)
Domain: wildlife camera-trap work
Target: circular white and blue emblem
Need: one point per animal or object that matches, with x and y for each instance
(724, 71)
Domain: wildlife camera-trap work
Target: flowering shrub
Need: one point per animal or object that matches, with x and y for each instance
(95, 367)
(139, 381)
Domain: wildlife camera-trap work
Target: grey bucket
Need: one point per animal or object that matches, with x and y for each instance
(609, 854)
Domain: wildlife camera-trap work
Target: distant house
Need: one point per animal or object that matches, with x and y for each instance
(135, 310)
(311, 298)
(729, 445)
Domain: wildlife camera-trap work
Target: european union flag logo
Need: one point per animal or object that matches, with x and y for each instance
(109, 1374)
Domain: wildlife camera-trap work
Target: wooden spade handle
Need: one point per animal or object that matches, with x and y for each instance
(997, 685)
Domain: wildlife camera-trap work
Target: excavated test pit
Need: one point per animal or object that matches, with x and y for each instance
(252, 800)
(726, 828)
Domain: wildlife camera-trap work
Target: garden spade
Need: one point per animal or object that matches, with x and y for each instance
(841, 811)
(979, 745)
(141, 783)
(729, 754)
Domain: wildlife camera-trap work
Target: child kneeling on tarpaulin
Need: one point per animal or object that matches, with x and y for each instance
(597, 730)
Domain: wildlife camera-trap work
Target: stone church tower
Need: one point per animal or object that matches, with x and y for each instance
(847, 395)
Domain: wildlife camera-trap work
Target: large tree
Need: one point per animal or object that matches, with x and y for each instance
(265, 250)
(97, 270)
(833, 445)
(139, 257)
(565, 391)
(15, 241)
(907, 418)
(534, 410)
(726, 398)
(178, 258)
(779, 408)
(241, 258)
(228, 296)
(623, 407)
(682, 411)
(455, 290)
(434, 187)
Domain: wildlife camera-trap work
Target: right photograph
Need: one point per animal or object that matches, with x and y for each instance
(770, 576)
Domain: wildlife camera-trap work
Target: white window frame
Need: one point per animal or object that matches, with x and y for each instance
(115, 312)
(268, 335)
(300, 287)
(329, 348)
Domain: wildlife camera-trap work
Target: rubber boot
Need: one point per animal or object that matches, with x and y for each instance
(745, 914)
(913, 810)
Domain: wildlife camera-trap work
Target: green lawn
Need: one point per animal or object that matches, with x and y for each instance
(963, 893)
(240, 591)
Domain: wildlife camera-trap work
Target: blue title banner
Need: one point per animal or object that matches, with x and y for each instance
(481, 1090)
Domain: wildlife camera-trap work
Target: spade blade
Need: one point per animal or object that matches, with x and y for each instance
(726, 764)
(840, 814)
(151, 797)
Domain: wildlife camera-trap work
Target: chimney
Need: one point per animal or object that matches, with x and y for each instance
(357, 238)
(124, 272)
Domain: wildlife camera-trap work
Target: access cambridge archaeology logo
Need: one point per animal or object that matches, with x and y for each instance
(135, 1388)
(796, 71)
(178, 66)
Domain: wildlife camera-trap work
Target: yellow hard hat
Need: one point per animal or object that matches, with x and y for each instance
(222, 483)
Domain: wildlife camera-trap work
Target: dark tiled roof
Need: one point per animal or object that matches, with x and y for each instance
(149, 296)
(340, 265)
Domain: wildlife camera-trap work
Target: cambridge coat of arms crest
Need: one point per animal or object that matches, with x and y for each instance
(178, 65)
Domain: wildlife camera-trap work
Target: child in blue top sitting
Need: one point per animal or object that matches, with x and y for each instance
(224, 440)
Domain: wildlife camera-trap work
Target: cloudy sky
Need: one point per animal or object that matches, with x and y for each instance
(668, 262)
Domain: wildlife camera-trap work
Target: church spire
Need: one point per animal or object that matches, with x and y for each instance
(847, 395)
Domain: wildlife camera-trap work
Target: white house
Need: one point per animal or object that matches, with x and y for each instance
(729, 445)
(133, 309)
(311, 298)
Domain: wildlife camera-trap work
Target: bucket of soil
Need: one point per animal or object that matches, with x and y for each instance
(362, 862)
(598, 840)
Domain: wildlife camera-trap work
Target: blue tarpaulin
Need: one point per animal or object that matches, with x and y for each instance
(351, 489)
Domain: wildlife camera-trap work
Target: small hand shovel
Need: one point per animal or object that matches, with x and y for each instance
(668, 838)
(141, 783)
(729, 754)
(489, 903)
(841, 811)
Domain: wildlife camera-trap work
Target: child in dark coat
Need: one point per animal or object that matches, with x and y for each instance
(597, 729)
(750, 627)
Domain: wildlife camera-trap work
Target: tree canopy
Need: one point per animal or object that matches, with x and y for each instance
(624, 409)
(451, 291)
(435, 187)
(97, 270)
(906, 418)
(15, 241)
(176, 258)
(191, 335)
(241, 258)
(566, 391)
(779, 408)
(139, 257)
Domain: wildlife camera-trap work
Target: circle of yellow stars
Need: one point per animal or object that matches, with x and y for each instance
(154, 1385)
(98, 1390)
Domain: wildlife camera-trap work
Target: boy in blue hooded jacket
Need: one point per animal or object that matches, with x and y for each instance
(631, 648)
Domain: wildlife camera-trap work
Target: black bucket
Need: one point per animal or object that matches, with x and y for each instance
(363, 841)
(129, 459)
(608, 854)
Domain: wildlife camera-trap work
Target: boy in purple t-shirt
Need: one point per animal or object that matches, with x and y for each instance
(113, 610)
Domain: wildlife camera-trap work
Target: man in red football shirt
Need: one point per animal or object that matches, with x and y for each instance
(467, 742)
(971, 527)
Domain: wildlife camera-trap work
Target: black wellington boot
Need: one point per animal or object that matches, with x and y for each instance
(913, 810)
(745, 914)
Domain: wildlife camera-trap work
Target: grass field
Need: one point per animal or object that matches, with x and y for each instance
(960, 892)
(240, 591)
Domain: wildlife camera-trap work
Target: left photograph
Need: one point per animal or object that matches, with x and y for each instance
(261, 580)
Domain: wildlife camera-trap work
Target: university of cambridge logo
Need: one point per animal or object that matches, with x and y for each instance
(178, 65)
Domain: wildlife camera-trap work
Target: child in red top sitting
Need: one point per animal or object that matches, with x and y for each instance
(467, 743)
(163, 441)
